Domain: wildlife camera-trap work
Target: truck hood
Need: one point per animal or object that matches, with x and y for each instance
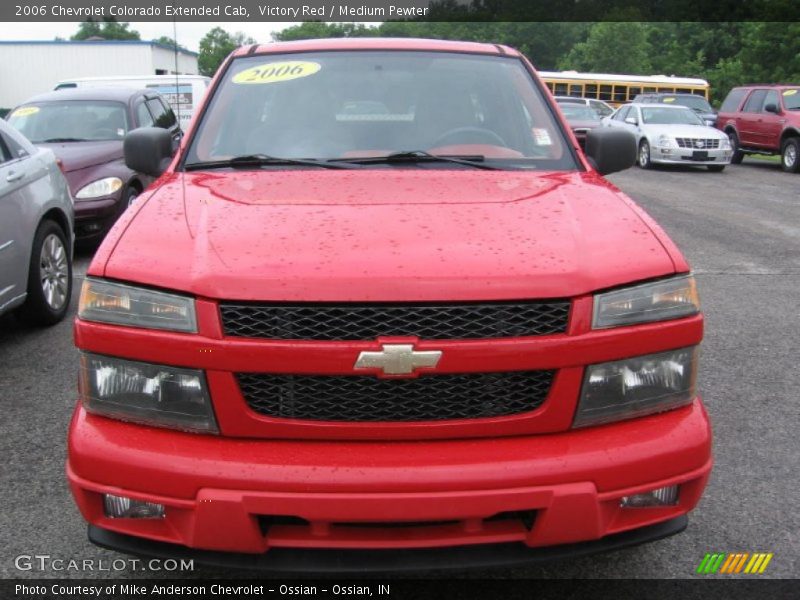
(80, 155)
(385, 235)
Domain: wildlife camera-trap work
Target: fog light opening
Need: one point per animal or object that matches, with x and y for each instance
(665, 496)
(121, 507)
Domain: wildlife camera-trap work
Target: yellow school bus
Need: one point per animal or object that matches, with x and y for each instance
(619, 89)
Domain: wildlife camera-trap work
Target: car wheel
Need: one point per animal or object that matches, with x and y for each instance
(130, 196)
(716, 168)
(736, 155)
(49, 277)
(790, 155)
(644, 155)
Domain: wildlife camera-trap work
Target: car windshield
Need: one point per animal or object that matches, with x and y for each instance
(360, 105)
(670, 116)
(697, 103)
(71, 121)
(791, 99)
(579, 112)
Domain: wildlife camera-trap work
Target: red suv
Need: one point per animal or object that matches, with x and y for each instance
(763, 119)
(381, 311)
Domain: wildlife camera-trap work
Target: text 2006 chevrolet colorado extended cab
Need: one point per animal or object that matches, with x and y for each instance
(379, 310)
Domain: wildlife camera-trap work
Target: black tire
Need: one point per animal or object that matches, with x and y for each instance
(716, 168)
(38, 310)
(737, 155)
(643, 158)
(129, 197)
(790, 155)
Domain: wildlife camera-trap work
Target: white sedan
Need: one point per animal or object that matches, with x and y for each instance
(672, 135)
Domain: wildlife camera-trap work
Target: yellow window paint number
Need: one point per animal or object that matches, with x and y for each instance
(25, 111)
(789, 92)
(276, 72)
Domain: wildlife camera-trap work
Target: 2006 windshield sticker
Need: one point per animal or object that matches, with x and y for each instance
(277, 72)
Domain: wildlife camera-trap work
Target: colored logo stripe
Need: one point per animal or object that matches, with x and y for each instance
(734, 562)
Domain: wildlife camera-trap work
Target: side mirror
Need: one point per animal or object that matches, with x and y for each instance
(631, 121)
(610, 150)
(773, 108)
(148, 150)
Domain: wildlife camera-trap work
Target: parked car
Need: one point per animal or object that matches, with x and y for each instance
(763, 119)
(694, 101)
(85, 129)
(581, 119)
(184, 93)
(675, 135)
(335, 325)
(36, 231)
(601, 108)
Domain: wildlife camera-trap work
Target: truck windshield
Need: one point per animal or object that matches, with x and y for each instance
(791, 99)
(362, 105)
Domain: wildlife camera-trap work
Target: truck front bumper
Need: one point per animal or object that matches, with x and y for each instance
(251, 496)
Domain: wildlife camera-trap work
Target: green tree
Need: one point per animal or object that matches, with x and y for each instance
(317, 29)
(165, 40)
(612, 47)
(216, 45)
(108, 29)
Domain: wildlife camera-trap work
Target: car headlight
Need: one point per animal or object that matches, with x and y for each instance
(665, 141)
(671, 298)
(99, 188)
(725, 143)
(119, 304)
(157, 395)
(635, 387)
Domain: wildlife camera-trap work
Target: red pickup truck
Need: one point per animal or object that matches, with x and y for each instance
(763, 119)
(381, 311)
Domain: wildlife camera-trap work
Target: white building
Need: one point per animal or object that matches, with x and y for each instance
(28, 68)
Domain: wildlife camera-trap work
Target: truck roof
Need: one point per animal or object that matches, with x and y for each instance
(417, 44)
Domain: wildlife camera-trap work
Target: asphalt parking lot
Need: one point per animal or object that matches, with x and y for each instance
(740, 231)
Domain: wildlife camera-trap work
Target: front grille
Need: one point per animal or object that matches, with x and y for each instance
(698, 143)
(369, 399)
(369, 321)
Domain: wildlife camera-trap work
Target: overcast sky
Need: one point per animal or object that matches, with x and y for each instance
(189, 34)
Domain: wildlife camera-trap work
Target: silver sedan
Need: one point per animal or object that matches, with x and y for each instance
(36, 231)
(671, 134)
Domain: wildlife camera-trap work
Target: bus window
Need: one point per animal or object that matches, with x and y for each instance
(576, 90)
(683, 91)
(605, 92)
(667, 90)
(633, 92)
(590, 90)
(550, 85)
(620, 93)
(561, 89)
(649, 90)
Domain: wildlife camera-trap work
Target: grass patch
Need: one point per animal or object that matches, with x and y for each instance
(772, 159)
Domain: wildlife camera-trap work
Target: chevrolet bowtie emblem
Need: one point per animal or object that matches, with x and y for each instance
(398, 359)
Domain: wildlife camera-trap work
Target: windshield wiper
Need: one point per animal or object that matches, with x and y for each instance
(258, 160)
(422, 156)
(62, 139)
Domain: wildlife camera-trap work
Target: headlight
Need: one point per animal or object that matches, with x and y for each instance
(665, 141)
(156, 395)
(656, 301)
(635, 387)
(109, 302)
(725, 143)
(99, 188)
